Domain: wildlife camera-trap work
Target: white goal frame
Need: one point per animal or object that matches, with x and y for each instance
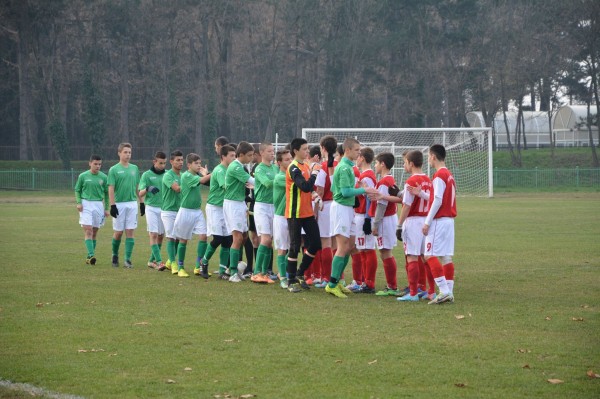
(391, 141)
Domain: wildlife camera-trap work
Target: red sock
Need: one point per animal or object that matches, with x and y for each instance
(436, 267)
(326, 259)
(363, 262)
(430, 280)
(316, 265)
(370, 267)
(390, 268)
(357, 268)
(422, 274)
(449, 271)
(413, 277)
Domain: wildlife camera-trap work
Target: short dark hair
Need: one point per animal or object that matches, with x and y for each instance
(256, 147)
(368, 154)
(226, 149)
(349, 143)
(160, 155)
(192, 157)
(329, 143)
(222, 140)
(416, 157)
(95, 157)
(386, 158)
(280, 154)
(243, 148)
(315, 150)
(340, 150)
(438, 151)
(176, 154)
(296, 144)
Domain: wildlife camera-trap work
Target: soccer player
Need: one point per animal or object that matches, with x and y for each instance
(150, 185)
(324, 257)
(412, 218)
(264, 210)
(385, 220)
(439, 226)
(220, 142)
(342, 214)
(281, 233)
(300, 181)
(171, 198)
(365, 241)
(190, 219)
(123, 180)
(234, 208)
(214, 213)
(91, 190)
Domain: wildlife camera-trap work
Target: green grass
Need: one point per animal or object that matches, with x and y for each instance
(543, 158)
(520, 260)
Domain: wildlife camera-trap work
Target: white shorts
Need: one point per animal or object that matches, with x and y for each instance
(440, 240)
(127, 219)
(412, 236)
(324, 220)
(236, 218)
(92, 213)
(154, 222)
(263, 218)
(168, 219)
(215, 221)
(281, 233)
(189, 222)
(342, 220)
(362, 241)
(386, 238)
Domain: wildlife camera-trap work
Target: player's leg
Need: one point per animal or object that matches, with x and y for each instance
(342, 218)
(295, 231)
(200, 229)
(236, 222)
(131, 209)
(313, 244)
(432, 242)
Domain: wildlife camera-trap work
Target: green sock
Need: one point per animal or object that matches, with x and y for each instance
(151, 258)
(115, 247)
(181, 254)
(281, 265)
(200, 250)
(210, 252)
(156, 253)
(89, 245)
(94, 241)
(171, 251)
(269, 261)
(129, 243)
(234, 258)
(260, 259)
(224, 257)
(337, 268)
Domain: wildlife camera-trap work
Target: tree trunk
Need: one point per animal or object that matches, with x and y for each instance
(595, 162)
(24, 110)
(124, 74)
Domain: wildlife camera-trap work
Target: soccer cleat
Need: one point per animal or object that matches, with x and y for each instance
(303, 283)
(421, 293)
(367, 290)
(196, 271)
(358, 288)
(128, 264)
(92, 260)
(316, 281)
(152, 265)
(322, 284)
(235, 278)
(174, 268)
(336, 291)
(283, 283)
(408, 297)
(256, 278)
(87, 260)
(344, 289)
(353, 286)
(182, 273)
(168, 264)
(224, 276)
(204, 271)
(115, 261)
(404, 291)
(295, 288)
(273, 276)
(442, 298)
(430, 297)
(161, 266)
(387, 292)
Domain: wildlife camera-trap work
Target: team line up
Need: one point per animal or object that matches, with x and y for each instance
(325, 202)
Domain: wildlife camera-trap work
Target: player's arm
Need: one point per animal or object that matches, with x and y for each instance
(407, 200)
(419, 192)
(263, 179)
(142, 188)
(300, 181)
(380, 209)
(78, 189)
(438, 193)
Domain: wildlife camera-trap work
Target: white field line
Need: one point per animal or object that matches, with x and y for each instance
(35, 391)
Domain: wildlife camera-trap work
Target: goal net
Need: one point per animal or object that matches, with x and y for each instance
(468, 151)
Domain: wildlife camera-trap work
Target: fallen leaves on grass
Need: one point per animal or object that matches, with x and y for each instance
(187, 369)
(229, 340)
(42, 304)
(577, 318)
(585, 306)
(555, 381)
(89, 350)
(460, 385)
(591, 374)
(248, 395)
(142, 323)
(338, 361)
(523, 351)
(169, 381)
(525, 366)
(459, 316)
(373, 362)
(548, 318)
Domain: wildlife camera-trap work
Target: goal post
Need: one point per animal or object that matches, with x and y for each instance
(468, 151)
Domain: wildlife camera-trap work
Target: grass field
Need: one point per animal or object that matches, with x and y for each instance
(527, 311)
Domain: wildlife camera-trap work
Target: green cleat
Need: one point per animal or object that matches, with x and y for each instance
(387, 292)
(182, 273)
(336, 291)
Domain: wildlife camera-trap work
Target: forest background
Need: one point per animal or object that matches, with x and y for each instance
(87, 75)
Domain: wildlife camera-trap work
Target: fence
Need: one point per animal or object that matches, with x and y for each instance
(33, 179)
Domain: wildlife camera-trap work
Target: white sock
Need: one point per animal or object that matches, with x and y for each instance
(442, 285)
(450, 284)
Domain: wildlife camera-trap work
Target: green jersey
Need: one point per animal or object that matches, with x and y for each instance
(125, 181)
(263, 183)
(216, 194)
(343, 177)
(170, 198)
(279, 193)
(150, 178)
(92, 187)
(190, 190)
(235, 181)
